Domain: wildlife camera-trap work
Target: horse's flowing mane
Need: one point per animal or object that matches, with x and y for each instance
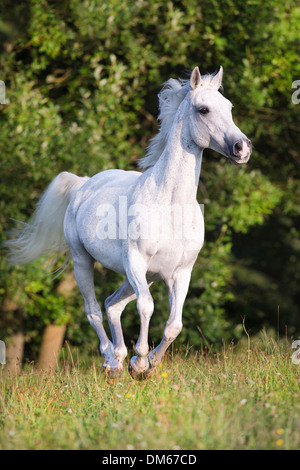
(172, 94)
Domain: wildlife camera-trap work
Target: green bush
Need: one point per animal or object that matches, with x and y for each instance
(81, 82)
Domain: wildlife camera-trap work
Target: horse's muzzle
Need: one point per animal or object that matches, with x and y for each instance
(241, 151)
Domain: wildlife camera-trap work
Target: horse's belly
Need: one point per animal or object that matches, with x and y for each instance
(98, 230)
(106, 252)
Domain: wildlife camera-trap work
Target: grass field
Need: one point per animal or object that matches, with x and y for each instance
(240, 398)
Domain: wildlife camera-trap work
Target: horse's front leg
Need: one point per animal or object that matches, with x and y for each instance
(136, 269)
(115, 305)
(178, 288)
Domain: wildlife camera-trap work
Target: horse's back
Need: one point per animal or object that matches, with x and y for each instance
(112, 178)
(96, 188)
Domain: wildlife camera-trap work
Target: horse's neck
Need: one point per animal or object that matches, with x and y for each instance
(177, 171)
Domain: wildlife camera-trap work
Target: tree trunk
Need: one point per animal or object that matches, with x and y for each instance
(12, 326)
(14, 353)
(52, 341)
(54, 335)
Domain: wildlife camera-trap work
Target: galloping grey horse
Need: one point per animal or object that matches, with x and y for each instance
(146, 225)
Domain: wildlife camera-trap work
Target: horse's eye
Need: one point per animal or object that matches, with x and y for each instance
(203, 110)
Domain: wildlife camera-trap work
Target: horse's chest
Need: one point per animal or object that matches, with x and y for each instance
(173, 242)
(171, 256)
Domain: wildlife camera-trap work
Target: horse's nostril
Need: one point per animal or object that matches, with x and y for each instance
(237, 147)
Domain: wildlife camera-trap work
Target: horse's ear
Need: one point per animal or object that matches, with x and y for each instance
(217, 80)
(195, 78)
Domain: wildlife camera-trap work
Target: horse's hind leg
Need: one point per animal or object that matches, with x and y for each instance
(84, 275)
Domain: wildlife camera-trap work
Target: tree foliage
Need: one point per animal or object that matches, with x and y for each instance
(82, 79)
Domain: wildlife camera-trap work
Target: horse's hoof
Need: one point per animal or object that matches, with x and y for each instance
(112, 374)
(153, 361)
(139, 375)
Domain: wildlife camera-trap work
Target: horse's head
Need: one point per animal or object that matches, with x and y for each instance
(211, 123)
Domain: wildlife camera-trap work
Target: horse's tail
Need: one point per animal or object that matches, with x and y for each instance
(44, 233)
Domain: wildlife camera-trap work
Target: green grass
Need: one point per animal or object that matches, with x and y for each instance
(240, 398)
